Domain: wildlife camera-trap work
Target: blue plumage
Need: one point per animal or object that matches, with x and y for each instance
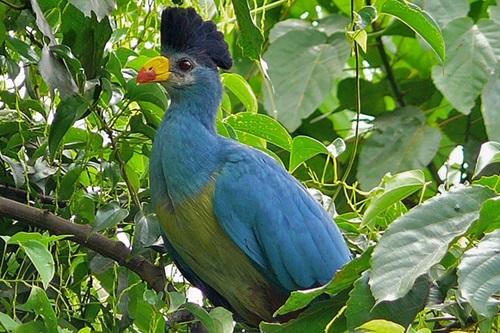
(236, 223)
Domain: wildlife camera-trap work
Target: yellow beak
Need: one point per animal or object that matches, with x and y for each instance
(156, 69)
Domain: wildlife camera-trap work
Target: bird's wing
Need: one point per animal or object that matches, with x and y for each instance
(276, 222)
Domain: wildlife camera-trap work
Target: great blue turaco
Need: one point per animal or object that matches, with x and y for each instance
(236, 223)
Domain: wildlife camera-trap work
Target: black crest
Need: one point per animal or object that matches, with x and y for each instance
(183, 30)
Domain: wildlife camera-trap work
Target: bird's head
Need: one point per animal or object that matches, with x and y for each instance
(192, 49)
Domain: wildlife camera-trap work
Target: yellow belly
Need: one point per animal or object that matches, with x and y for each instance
(198, 238)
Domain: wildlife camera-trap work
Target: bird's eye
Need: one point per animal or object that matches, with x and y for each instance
(185, 65)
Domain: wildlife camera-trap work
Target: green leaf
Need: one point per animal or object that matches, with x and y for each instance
(474, 63)
(380, 325)
(40, 304)
(444, 11)
(99, 7)
(303, 148)
(23, 237)
(489, 219)
(490, 99)
(36, 326)
(303, 64)
(416, 241)
(419, 21)
(396, 188)
(151, 93)
(86, 37)
(56, 74)
(261, 126)
(238, 86)
(175, 300)
(41, 259)
(22, 49)
(68, 111)
(223, 320)
(147, 231)
(314, 319)
(479, 275)
(17, 170)
(65, 52)
(361, 306)
(250, 37)
(7, 322)
(202, 315)
(365, 16)
(489, 153)
(108, 215)
(342, 280)
(401, 141)
(68, 182)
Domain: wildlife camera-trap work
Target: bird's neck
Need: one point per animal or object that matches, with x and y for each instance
(187, 144)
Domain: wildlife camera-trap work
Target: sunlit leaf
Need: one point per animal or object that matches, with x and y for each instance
(479, 274)
(416, 241)
(419, 21)
(41, 258)
(261, 126)
(238, 86)
(396, 188)
(302, 83)
(489, 153)
(303, 148)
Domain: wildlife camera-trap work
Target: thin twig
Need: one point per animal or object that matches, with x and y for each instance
(13, 6)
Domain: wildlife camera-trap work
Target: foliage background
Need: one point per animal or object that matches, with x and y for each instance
(76, 133)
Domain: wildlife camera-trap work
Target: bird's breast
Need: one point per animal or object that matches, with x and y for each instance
(193, 231)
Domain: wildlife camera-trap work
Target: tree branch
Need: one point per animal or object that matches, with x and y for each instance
(81, 234)
(20, 196)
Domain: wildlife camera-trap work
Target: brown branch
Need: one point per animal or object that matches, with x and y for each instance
(81, 234)
(20, 195)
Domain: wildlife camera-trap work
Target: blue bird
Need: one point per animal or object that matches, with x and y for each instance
(236, 223)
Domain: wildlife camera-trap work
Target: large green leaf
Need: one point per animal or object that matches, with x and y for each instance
(417, 20)
(101, 8)
(313, 319)
(361, 306)
(40, 304)
(250, 37)
(472, 64)
(240, 87)
(490, 100)
(303, 65)
(444, 11)
(261, 126)
(7, 322)
(479, 274)
(401, 141)
(86, 37)
(41, 259)
(418, 240)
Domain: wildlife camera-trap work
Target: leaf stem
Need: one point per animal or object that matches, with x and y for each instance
(13, 6)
